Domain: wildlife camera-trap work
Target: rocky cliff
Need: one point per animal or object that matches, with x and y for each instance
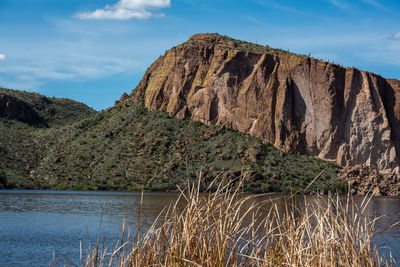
(15, 109)
(293, 101)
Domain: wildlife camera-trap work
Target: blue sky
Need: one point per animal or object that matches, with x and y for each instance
(94, 50)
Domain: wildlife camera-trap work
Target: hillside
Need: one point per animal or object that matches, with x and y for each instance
(17, 154)
(22, 114)
(50, 111)
(129, 148)
(50, 143)
(295, 102)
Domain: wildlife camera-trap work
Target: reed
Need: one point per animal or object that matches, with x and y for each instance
(228, 228)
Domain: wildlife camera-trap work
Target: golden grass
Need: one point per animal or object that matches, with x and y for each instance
(227, 228)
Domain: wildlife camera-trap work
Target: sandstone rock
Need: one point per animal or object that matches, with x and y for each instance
(295, 102)
(123, 97)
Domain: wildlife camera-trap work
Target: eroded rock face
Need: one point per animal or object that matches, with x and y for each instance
(15, 109)
(295, 102)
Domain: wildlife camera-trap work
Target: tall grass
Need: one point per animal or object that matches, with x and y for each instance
(227, 228)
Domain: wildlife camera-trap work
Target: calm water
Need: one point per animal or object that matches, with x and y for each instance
(35, 225)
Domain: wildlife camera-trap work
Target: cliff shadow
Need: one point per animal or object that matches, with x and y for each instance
(293, 132)
(240, 67)
(388, 95)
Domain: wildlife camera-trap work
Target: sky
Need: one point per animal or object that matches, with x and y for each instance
(93, 51)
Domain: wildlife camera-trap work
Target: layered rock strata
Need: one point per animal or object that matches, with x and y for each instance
(295, 102)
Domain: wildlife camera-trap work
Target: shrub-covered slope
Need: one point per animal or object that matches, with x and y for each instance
(22, 114)
(18, 154)
(128, 147)
(53, 111)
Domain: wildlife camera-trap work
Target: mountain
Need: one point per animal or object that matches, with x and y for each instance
(213, 107)
(128, 147)
(295, 102)
(22, 116)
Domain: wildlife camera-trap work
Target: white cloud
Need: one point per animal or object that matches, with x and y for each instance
(127, 9)
(395, 36)
(340, 4)
(377, 4)
(2, 57)
(374, 3)
(72, 68)
(143, 4)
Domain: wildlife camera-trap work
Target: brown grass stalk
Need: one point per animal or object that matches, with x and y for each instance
(228, 228)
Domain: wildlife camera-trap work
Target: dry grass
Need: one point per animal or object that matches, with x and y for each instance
(226, 228)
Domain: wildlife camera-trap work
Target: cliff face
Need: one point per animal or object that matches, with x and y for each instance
(295, 102)
(13, 108)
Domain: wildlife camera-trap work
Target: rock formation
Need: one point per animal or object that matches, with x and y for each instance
(295, 102)
(15, 109)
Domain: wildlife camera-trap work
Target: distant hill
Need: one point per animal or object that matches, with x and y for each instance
(21, 115)
(46, 111)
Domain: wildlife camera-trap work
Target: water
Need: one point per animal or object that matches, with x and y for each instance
(35, 225)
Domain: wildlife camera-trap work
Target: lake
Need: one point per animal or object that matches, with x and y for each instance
(38, 227)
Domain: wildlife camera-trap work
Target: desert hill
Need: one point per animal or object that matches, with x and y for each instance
(128, 147)
(22, 115)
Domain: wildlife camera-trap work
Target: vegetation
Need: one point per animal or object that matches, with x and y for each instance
(226, 228)
(128, 147)
(229, 43)
(54, 111)
(19, 152)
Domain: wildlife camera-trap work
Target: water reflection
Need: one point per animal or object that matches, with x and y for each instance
(33, 224)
